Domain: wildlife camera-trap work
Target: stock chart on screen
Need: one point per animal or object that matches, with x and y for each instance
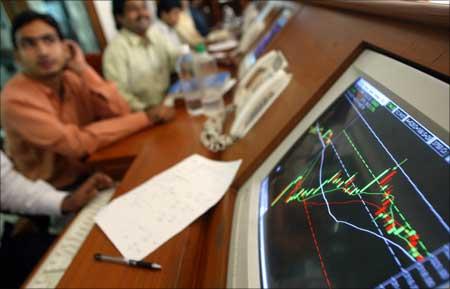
(360, 200)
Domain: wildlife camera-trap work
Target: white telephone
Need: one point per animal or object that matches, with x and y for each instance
(257, 90)
(263, 69)
(249, 15)
(250, 58)
(254, 24)
(255, 93)
(251, 34)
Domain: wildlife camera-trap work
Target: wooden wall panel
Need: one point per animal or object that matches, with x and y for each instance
(417, 11)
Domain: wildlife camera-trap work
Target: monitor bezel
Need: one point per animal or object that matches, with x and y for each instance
(371, 65)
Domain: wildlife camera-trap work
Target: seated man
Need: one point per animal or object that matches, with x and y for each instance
(140, 60)
(58, 110)
(168, 12)
(21, 252)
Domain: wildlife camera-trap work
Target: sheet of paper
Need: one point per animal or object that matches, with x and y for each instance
(143, 219)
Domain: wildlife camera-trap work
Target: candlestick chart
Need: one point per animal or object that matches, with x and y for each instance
(358, 201)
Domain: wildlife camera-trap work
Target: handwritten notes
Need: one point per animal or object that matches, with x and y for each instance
(143, 219)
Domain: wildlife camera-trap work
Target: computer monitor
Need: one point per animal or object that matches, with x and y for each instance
(357, 195)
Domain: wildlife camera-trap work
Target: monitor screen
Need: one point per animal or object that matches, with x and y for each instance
(360, 200)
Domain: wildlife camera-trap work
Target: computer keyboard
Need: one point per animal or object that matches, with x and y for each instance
(58, 260)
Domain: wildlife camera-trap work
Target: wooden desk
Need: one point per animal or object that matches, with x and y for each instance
(117, 158)
(322, 50)
(184, 254)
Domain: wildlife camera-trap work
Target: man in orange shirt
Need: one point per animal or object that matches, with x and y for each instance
(58, 109)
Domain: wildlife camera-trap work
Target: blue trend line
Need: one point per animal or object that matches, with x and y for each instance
(344, 222)
(440, 219)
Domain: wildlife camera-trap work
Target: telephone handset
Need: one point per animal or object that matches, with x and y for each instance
(254, 30)
(249, 15)
(264, 68)
(254, 24)
(255, 93)
(251, 110)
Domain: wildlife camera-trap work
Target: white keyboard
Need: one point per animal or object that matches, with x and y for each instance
(58, 260)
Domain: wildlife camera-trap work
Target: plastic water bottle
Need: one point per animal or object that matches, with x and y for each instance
(205, 67)
(189, 84)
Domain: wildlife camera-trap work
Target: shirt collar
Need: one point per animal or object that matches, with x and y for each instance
(44, 88)
(135, 39)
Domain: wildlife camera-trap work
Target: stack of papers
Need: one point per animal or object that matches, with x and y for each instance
(143, 219)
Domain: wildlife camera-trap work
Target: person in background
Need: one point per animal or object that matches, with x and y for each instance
(58, 110)
(20, 251)
(139, 60)
(168, 13)
(186, 27)
(176, 23)
(198, 15)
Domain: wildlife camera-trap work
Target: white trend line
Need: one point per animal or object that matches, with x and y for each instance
(344, 222)
(440, 219)
(368, 211)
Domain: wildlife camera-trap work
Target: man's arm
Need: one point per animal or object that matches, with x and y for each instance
(20, 195)
(187, 31)
(40, 125)
(103, 95)
(86, 192)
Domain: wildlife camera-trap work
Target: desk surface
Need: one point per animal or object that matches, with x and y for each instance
(197, 256)
(116, 158)
(181, 255)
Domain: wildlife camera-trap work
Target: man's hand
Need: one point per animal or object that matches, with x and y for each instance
(88, 190)
(76, 60)
(160, 114)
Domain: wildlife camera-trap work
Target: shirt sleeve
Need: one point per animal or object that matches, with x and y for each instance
(40, 125)
(20, 195)
(104, 95)
(115, 69)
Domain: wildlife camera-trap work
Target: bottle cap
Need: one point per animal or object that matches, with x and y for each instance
(200, 48)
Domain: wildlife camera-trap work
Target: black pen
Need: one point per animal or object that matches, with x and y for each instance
(132, 263)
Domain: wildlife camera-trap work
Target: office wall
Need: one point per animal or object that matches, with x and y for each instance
(104, 12)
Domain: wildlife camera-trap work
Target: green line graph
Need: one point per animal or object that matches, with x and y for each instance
(387, 214)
